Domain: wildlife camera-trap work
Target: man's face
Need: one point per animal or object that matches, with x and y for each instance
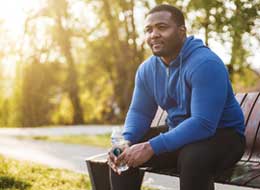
(162, 34)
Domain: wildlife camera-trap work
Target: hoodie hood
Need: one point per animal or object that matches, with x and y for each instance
(174, 76)
(190, 45)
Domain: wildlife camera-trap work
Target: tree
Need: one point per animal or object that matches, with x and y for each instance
(57, 11)
(38, 90)
(122, 54)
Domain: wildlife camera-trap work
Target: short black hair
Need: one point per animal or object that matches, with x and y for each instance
(176, 13)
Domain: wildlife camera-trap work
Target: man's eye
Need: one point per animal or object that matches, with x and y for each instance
(162, 27)
(148, 30)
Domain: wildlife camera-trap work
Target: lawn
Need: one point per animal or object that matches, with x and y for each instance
(24, 175)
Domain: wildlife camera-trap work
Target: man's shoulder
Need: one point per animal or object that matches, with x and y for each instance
(206, 54)
(149, 61)
(203, 56)
(147, 64)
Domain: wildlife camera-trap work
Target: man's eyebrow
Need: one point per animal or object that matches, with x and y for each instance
(161, 23)
(156, 24)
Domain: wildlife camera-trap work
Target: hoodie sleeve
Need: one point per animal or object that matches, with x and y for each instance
(141, 111)
(209, 84)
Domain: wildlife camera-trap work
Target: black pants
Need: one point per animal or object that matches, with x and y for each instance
(197, 163)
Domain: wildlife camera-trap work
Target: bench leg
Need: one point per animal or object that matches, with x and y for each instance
(99, 175)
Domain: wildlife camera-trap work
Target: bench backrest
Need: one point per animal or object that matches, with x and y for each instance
(250, 104)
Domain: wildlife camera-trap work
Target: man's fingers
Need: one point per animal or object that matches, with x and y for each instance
(121, 157)
(112, 165)
(111, 160)
(111, 156)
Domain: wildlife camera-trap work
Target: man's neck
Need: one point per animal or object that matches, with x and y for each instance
(168, 59)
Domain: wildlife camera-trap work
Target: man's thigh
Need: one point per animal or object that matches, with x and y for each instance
(162, 161)
(214, 154)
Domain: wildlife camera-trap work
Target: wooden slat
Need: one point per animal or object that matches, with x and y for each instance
(240, 97)
(163, 119)
(251, 129)
(254, 123)
(248, 103)
(157, 117)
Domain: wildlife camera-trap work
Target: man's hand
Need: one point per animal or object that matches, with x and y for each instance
(113, 160)
(136, 155)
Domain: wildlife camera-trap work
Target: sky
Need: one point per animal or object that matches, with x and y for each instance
(12, 15)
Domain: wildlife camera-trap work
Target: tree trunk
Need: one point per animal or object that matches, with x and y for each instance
(72, 77)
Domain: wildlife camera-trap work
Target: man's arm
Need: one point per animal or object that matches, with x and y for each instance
(141, 111)
(209, 83)
(138, 120)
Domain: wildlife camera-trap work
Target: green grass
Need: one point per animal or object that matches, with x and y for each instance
(16, 175)
(92, 140)
(23, 175)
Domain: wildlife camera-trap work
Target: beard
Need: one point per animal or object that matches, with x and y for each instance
(162, 52)
(166, 49)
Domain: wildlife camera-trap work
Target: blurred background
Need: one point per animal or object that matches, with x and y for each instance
(69, 62)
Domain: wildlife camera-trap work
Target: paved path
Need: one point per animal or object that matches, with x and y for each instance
(57, 131)
(60, 155)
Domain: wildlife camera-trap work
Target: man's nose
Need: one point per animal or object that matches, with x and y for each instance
(155, 33)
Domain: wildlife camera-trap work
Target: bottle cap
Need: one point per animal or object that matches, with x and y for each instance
(117, 151)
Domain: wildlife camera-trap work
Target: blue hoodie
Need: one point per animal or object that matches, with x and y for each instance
(194, 90)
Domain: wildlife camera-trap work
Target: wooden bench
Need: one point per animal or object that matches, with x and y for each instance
(245, 173)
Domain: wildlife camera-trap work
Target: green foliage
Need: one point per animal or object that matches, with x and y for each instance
(123, 55)
(4, 111)
(79, 66)
(63, 111)
(226, 19)
(245, 80)
(39, 87)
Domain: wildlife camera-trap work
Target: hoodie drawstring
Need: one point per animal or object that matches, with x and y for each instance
(181, 82)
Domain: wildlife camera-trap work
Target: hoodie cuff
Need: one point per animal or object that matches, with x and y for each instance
(158, 145)
(128, 138)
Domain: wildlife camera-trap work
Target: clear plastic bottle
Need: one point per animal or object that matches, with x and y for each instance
(118, 144)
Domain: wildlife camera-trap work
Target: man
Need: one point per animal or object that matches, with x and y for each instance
(190, 82)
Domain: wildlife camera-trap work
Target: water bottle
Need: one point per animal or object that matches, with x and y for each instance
(118, 144)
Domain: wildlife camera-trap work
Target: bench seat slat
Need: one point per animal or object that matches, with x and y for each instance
(240, 97)
(157, 117)
(163, 119)
(251, 129)
(255, 123)
(248, 104)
